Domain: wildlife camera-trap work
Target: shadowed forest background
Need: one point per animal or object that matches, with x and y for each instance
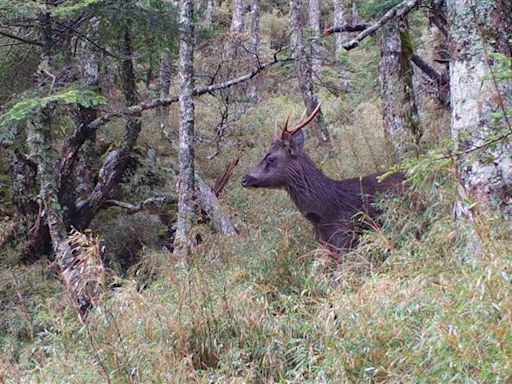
(130, 253)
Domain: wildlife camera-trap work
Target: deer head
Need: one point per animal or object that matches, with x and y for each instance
(280, 163)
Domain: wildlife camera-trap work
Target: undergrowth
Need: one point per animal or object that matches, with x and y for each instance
(264, 307)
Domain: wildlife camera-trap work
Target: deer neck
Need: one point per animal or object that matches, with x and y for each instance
(312, 192)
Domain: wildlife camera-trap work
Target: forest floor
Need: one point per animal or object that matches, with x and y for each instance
(407, 306)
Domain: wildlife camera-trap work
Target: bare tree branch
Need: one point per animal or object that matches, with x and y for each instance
(427, 69)
(399, 10)
(346, 28)
(224, 177)
(157, 202)
(137, 109)
(22, 39)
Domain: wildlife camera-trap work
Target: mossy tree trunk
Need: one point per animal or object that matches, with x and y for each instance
(77, 172)
(208, 17)
(481, 105)
(116, 160)
(237, 16)
(41, 151)
(400, 113)
(185, 180)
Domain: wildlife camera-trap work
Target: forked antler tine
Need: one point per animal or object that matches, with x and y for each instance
(286, 122)
(304, 114)
(277, 131)
(303, 122)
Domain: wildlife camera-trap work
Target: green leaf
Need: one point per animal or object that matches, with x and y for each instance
(24, 108)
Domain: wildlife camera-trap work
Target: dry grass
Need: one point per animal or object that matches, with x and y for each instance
(405, 307)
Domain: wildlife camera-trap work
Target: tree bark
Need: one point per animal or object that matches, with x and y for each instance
(237, 17)
(185, 179)
(255, 28)
(210, 8)
(164, 84)
(303, 71)
(340, 19)
(314, 24)
(83, 171)
(400, 114)
(115, 161)
(41, 150)
(485, 175)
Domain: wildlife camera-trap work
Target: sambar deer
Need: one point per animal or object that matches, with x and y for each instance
(332, 206)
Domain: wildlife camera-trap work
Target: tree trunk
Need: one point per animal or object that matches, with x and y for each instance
(69, 263)
(185, 179)
(340, 18)
(237, 17)
(303, 71)
(314, 24)
(164, 84)
(115, 161)
(236, 29)
(255, 27)
(209, 13)
(83, 171)
(477, 97)
(355, 19)
(401, 121)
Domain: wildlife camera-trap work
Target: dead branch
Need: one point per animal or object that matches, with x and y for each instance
(210, 204)
(428, 69)
(158, 203)
(224, 177)
(21, 39)
(399, 10)
(346, 28)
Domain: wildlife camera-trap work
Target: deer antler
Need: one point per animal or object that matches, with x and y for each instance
(301, 123)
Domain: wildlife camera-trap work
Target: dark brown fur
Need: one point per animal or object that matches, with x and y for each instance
(332, 206)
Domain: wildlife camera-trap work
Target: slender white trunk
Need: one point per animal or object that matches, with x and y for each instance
(237, 16)
(340, 18)
(208, 17)
(314, 24)
(164, 84)
(255, 27)
(185, 179)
